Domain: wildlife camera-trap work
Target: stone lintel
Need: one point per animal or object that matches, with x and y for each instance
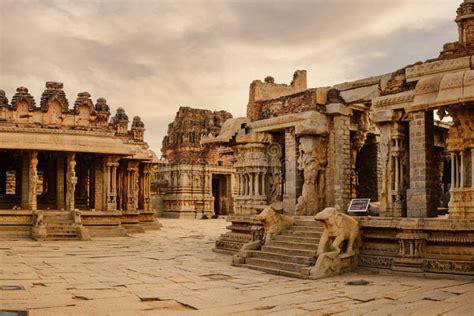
(338, 109)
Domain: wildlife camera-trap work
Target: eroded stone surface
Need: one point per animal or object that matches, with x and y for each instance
(175, 271)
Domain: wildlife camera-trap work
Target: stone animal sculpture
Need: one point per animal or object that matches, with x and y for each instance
(38, 218)
(332, 260)
(338, 227)
(273, 222)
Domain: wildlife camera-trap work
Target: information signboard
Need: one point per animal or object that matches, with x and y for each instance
(359, 205)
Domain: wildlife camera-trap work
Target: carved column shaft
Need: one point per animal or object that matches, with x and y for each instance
(33, 180)
(71, 181)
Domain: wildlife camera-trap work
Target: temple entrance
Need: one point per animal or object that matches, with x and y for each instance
(49, 179)
(221, 194)
(10, 179)
(366, 172)
(85, 187)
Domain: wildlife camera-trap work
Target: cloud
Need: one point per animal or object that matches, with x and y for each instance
(151, 57)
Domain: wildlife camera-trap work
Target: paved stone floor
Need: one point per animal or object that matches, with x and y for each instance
(175, 271)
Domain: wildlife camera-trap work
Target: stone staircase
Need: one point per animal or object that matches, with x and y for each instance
(292, 252)
(60, 226)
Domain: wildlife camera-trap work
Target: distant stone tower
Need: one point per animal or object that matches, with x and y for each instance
(465, 44)
(465, 21)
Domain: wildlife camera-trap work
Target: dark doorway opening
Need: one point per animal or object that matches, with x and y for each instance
(221, 194)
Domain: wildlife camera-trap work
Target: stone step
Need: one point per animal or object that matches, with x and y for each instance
(290, 251)
(293, 245)
(306, 229)
(302, 260)
(301, 234)
(51, 238)
(307, 222)
(297, 239)
(276, 265)
(277, 271)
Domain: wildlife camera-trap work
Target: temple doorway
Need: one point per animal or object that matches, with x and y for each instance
(10, 179)
(366, 171)
(221, 194)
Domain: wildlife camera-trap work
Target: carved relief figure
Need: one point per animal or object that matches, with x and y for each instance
(273, 222)
(275, 187)
(312, 160)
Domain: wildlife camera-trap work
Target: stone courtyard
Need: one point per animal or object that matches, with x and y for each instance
(174, 270)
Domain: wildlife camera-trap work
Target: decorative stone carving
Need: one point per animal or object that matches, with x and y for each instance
(102, 107)
(38, 218)
(38, 231)
(273, 222)
(312, 160)
(3, 99)
(22, 95)
(54, 91)
(332, 258)
(83, 100)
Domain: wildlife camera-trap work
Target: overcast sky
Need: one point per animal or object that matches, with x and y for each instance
(151, 57)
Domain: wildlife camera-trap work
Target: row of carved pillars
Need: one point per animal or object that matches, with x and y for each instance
(127, 185)
(30, 183)
(134, 185)
(251, 183)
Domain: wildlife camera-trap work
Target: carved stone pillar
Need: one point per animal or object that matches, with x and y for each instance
(132, 185)
(71, 181)
(312, 161)
(33, 181)
(110, 175)
(60, 176)
(291, 152)
(421, 201)
(145, 192)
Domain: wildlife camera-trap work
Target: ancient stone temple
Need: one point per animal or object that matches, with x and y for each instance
(71, 171)
(402, 140)
(198, 179)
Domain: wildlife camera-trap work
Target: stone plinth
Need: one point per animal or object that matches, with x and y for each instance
(243, 229)
(436, 245)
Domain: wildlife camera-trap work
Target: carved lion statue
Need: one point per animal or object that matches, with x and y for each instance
(338, 227)
(273, 222)
(38, 218)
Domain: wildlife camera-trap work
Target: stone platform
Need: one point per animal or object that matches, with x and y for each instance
(175, 271)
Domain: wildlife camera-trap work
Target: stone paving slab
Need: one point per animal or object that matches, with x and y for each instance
(174, 271)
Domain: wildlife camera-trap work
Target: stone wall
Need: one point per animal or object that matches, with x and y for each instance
(295, 103)
(269, 90)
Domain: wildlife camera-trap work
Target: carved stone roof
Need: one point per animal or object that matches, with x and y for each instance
(120, 116)
(83, 98)
(3, 99)
(443, 90)
(137, 122)
(23, 95)
(54, 90)
(102, 107)
(465, 10)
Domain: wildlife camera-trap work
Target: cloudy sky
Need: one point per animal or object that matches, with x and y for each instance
(151, 57)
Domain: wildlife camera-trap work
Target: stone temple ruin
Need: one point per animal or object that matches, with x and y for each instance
(403, 139)
(196, 180)
(71, 172)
